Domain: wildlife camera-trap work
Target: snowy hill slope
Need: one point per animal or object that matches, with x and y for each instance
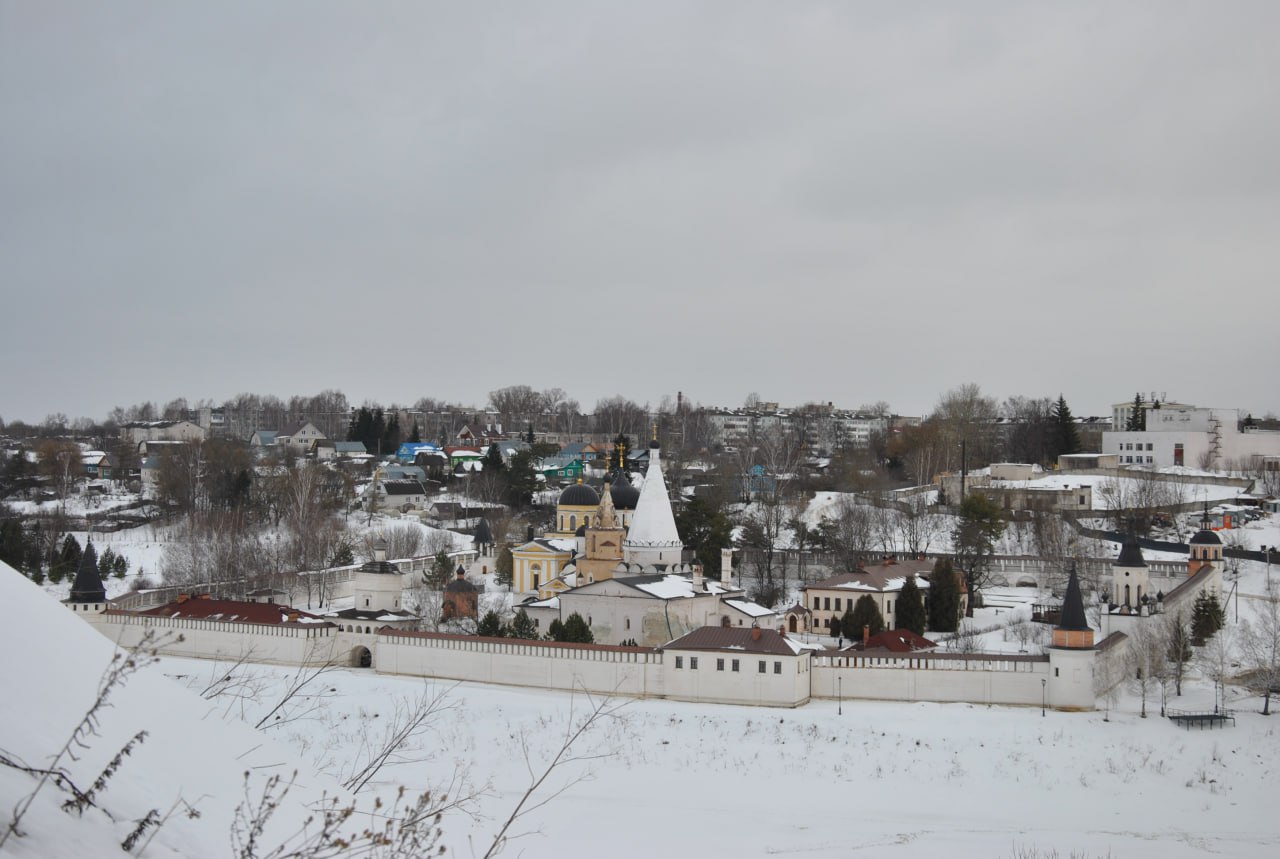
(53, 666)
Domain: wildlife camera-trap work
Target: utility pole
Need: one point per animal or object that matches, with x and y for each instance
(964, 466)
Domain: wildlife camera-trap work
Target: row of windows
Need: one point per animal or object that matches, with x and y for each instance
(1136, 445)
(827, 600)
(762, 667)
(1128, 460)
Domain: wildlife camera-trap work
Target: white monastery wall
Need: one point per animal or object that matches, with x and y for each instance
(979, 680)
(544, 665)
(210, 639)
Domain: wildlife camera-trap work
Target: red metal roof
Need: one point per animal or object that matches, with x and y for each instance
(233, 611)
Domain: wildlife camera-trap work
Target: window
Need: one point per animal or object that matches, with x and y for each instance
(735, 665)
(837, 603)
(693, 663)
(1149, 447)
(679, 662)
(817, 602)
(828, 603)
(762, 668)
(628, 621)
(719, 664)
(777, 668)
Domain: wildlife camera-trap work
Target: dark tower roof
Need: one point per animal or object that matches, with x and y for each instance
(625, 496)
(379, 565)
(579, 495)
(484, 534)
(88, 584)
(1131, 554)
(1073, 618)
(1205, 537)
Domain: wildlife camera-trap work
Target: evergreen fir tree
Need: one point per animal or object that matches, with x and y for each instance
(844, 625)
(576, 630)
(1207, 617)
(944, 597)
(377, 433)
(493, 459)
(865, 613)
(13, 543)
(1065, 437)
(1137, 421)
(441, 568)
(502, 568)
(491, 625)
(343, 556)
(415, 435)
(391, 435)
(106, 563)
(522, 626)
(555, 631)
(910, 614)
(68, 560)
(530, 437)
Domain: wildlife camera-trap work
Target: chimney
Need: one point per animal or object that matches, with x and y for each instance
(698, 585)
(726, 567)
(866, 634)
(292, 617)
(182, 598)
(755, 633)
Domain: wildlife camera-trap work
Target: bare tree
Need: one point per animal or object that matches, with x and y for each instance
(601, 710)
(1148, 649)
(410, 720)
(1260, 643)
(1216, 660)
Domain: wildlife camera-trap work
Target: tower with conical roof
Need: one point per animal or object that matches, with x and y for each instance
(1130, 579)
(87, 591)
(653, 540)
(1072, 656)
(1073, 630)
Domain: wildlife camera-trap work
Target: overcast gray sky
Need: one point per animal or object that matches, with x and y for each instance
(841, 201)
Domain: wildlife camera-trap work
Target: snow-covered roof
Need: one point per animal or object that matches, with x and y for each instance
(750, 608)
(653, 524)
(671, 587)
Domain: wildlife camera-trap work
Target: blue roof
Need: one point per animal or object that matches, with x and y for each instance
(407, 451)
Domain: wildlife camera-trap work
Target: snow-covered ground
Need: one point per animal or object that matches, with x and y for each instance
(902, 780)
(189, 759)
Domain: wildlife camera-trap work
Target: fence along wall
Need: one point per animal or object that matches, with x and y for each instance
(600, 669)
(1012, 679)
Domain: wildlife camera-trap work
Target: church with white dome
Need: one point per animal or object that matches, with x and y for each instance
(618, 532)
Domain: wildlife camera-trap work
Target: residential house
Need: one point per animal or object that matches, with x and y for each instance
(138, 432)
(299, 436)
(98, 465)
(401, 494)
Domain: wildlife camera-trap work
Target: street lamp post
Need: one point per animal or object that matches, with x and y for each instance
(1043, 691)
(839, 696)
